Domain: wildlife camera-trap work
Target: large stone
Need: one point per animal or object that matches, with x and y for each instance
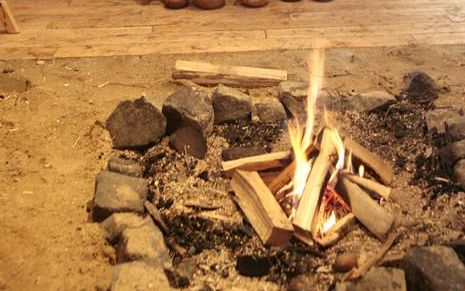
(269, 110)
(190, 140)
(116, 223)
(135, 124)
(345, 262)
(124, 166)
(459, 173)
(230, 104)
(433, 268)
(145, 242)
(369, 101)
(377, 279)
(456, 128)
(452, 153)
(189, 107)
(437, 119)
(118, 193)
(139, 276)
(293, 96)
(420, 87)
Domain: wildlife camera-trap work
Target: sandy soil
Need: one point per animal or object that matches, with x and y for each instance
(52, 143)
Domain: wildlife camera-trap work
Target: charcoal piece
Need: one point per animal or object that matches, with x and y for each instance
(189, 107)
(253, 266)
(124, 166)
(135, 124)
(379, 279)
(230, 104)
(241, 152)
(420, 87)
(452, 153)
(118, 193)
(190, 140)
(139, 275)
(433, 268)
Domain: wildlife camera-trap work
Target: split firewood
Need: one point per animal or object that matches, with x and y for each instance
(269, 176)
(287, 174)
(372, 261)
(370, 185)
(261, 208)
(339, 229)
(370, 160)
(257, 163)
(373, 216)
(308, 205)
(213, 74)
(155, 214)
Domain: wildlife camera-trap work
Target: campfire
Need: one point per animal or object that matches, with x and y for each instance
(318, 190)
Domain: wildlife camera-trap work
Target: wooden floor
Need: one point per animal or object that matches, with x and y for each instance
(85, 28)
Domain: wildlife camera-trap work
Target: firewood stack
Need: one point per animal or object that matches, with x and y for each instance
(332, 199)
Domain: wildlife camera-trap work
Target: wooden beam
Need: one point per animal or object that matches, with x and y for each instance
(373, 216)
(370, 160)
(257, 163)
(7, 19)
(213, 74)
(261, 208)
(370, 185)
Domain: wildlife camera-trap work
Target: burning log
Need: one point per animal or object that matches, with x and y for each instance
(337, 231)
(370, 185)
(370, 160)
(286, 175)
(366, 210)
(257, 163)
(308, 204)
(261, 208)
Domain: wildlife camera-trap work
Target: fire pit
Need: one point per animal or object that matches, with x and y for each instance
(238, 190)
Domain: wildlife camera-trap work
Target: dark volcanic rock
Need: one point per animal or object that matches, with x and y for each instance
(124, 166)
(369, 101)
(189, 107)
(293, 96)
(433, 268)
(345, 262)
(437, 119)
(241, 152)
(456, 128)
(140, 275)
(452, 153)
(145, 242)
(118, 193)
(269, 110)
(377, 279)
(420, 87)
(230, 104)
(191, 140)
(253, 266)
(135, 124)
(459, 173)
(116, 223)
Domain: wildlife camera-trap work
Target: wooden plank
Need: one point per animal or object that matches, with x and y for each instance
(7, 19)
(42, 53)
(261, 208)
(213, 74)
(257, 163)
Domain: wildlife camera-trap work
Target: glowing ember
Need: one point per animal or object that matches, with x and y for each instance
(328, 223)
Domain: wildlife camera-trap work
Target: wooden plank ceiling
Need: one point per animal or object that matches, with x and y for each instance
(87, 28)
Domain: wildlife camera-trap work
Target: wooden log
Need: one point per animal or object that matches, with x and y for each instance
(257, 163)
(261, 208)
(370, 185)
(306, 211)
(214, 74)
(374, 217)
(7, 19)
(370, 160)
(341, 228)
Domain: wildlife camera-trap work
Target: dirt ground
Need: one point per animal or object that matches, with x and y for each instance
(52, 143)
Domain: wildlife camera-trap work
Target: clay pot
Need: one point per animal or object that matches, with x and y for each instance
(255, 3)
(175, 4)
(209, 4)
